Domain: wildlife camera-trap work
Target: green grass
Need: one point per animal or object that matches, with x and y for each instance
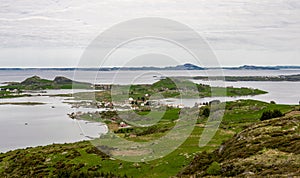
(37, 83)
(243, 112)
(239, 114)
(168, 89)
(268, 148)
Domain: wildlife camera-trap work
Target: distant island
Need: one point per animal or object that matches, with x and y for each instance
(290, 78)
(37, 83)
(187, 66)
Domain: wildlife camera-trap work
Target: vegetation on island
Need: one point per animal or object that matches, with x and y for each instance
(6, 94)
(37, 83)
(165, 87)
(242, 146)
(168, 88)
(290, 78)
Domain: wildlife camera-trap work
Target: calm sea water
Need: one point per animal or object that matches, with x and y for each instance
(280, 92)
(131, 77)
(22, 126)
(47, 125)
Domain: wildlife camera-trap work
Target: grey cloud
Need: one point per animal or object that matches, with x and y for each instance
(228, 25)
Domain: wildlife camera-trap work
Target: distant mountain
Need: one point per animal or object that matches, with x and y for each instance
(250, 67)
(186, 66)
(289, 67)
(247, 67)
(290, 78)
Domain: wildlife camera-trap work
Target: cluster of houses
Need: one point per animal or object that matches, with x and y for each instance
(103, 87)
(9, 92)
(135, 105)
(93, 104)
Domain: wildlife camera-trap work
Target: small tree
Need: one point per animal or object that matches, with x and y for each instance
(272, 102)
(206, 112)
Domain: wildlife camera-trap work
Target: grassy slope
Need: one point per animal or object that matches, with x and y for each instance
(268, 148)
(49, 160)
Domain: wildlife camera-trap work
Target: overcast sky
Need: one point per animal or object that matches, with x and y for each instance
(55, 33)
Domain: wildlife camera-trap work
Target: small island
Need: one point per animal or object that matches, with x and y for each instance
(290, 78)
(37, 83)
(166, 87)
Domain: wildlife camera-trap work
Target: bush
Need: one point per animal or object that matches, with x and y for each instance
(271, 114)
(206, 112)
(266, 115)
(272, 102)
(214, 169)
(277, 113)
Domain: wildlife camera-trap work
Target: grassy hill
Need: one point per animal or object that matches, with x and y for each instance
(37, 83)
(268, 148)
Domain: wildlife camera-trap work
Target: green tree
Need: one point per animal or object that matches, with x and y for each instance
(206, 112)
(272, 102)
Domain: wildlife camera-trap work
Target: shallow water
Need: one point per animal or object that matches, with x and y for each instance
(22, 126)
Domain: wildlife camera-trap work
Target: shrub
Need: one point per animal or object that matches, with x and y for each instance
(206, 112)
(271, 114)
(277, 113)
(266, 115)
(272, 102)
(214, 169)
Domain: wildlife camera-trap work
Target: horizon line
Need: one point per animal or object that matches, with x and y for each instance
(159, 67)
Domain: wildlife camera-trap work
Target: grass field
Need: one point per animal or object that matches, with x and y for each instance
(83, 159)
